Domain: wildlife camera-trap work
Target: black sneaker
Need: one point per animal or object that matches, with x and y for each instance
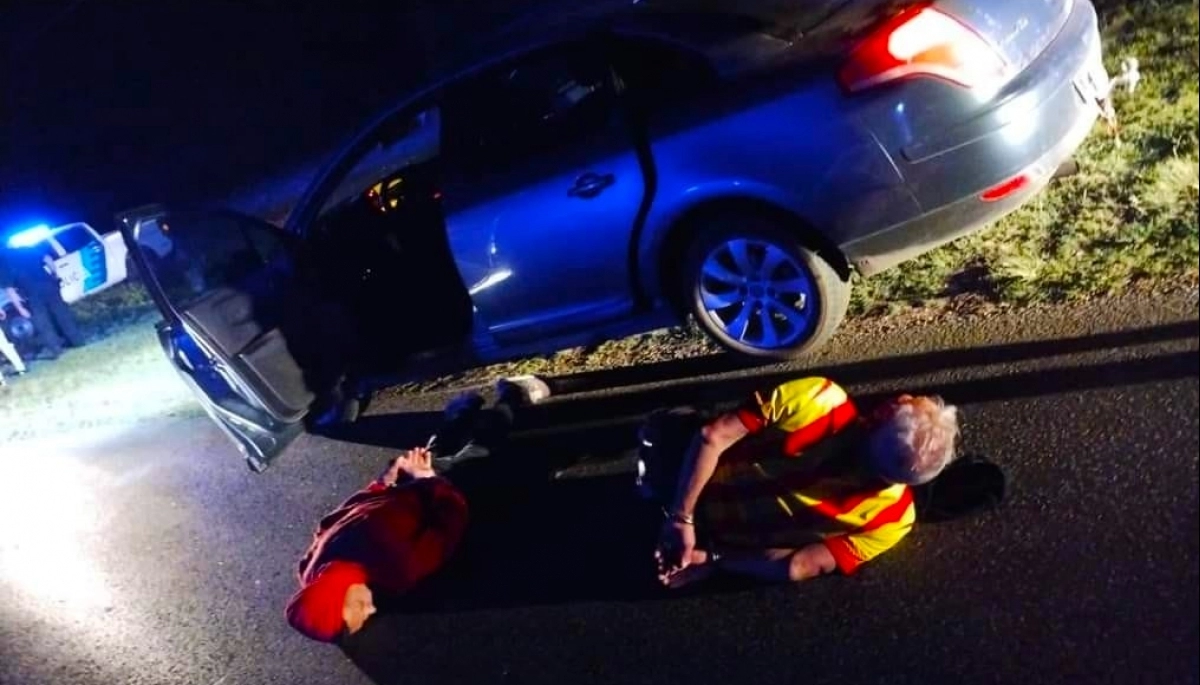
(469, 452)
(467, 403)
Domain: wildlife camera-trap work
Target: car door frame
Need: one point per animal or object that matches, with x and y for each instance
(260, 432)
(600, 42)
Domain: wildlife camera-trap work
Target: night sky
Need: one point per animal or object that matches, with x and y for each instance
(113, 103)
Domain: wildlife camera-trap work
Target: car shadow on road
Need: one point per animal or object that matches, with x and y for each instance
(538, 538)
(604, 424)
(886, 367)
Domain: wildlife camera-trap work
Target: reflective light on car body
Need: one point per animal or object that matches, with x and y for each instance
(900, 115)
(490, 280)
(1021, 124)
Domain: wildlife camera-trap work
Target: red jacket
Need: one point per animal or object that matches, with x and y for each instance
(388, 537)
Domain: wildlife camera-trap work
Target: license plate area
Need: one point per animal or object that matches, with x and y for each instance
(1092, 84)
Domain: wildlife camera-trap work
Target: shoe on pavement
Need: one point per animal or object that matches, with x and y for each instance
(467, 402)
(469, 452)
(524, 389)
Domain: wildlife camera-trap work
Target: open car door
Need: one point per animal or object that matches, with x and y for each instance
(243, 325)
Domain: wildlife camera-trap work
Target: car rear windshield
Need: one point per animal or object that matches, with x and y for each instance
(775, 17)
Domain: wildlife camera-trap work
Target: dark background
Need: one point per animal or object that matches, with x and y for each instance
(112, 103)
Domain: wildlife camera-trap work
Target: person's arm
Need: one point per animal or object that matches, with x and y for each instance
(414, 463)
(443, 522)
(677, 540)
(701, 461)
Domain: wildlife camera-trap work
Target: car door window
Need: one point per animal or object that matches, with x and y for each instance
(223, 251)
(73, 239)
(401, 148)
(541, 102)
(657, 75)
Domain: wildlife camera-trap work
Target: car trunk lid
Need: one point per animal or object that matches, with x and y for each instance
(1019, 30)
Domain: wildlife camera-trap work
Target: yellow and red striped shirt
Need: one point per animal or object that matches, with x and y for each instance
(799, 479)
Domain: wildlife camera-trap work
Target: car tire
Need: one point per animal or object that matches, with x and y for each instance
(758, 290)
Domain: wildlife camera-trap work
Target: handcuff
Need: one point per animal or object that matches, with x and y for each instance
(679, 517)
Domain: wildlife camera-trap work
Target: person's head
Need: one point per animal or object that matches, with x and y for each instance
(336, 602)
(912, 439)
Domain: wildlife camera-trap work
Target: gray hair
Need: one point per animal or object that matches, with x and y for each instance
(917, 443)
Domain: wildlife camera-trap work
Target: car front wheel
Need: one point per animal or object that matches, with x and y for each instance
(757, 290)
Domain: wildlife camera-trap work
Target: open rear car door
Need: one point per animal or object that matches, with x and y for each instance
(257, 343)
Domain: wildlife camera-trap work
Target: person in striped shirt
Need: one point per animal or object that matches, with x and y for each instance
(796, 483)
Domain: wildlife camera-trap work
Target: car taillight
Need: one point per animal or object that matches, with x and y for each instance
(924, 41)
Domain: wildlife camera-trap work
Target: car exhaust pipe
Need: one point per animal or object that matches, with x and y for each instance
(1067, 168)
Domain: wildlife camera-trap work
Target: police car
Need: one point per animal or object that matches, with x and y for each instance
(86, 261)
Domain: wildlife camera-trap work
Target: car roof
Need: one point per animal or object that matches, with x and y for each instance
(709, 31)
(66, 227)
(731, 40)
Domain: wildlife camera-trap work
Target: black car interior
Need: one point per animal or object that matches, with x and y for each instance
(386, 256)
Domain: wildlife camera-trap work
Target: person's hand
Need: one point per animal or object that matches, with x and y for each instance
(676, 545)
(416, 463)
(19, 303)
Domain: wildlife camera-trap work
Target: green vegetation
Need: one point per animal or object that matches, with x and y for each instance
(1128, 218)
(114, 309)
(122, 378)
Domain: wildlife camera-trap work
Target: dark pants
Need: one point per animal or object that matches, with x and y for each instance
(52, 319)
(474, 432)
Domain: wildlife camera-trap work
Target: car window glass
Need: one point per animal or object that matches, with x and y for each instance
(220, 250)
(660, 75)
(73, 239)
(541, 102)
(410, 141)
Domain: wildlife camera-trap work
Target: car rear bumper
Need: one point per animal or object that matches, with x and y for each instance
(1037, 128)
(912, 238)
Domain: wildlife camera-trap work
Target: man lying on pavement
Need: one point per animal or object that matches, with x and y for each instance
(404, 526)
(796, 484)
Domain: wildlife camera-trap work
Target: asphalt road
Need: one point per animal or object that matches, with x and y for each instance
(151, 555)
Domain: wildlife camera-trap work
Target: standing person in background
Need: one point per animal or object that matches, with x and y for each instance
(7, 286)
(34, 276)
(7, 348)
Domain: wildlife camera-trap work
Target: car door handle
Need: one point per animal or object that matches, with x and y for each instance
(590, 185)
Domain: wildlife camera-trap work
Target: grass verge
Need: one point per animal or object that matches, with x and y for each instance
(118, 379)
(1128, 217)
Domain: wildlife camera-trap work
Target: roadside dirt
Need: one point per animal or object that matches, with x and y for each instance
(125, 379)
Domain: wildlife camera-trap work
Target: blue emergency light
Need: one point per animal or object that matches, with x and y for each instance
(29, 237)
